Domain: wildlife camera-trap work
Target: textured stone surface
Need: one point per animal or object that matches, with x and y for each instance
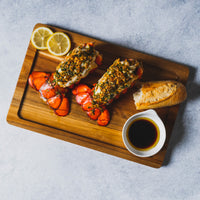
(34, 166)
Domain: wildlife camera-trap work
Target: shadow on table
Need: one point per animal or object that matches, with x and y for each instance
(179, 133)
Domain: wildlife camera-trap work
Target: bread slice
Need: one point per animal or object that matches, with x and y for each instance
(159, 94)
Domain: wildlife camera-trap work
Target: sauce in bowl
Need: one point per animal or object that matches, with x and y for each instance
(143, 134)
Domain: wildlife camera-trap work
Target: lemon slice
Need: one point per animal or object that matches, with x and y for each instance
(40, 36)
(58, 44)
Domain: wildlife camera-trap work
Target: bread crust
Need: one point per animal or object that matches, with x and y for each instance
(159, 94)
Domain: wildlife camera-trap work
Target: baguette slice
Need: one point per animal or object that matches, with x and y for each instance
(159, 94)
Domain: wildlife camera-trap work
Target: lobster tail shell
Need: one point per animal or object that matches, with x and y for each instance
(52, 94)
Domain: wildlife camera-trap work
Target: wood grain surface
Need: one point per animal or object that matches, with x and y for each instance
(28, 111)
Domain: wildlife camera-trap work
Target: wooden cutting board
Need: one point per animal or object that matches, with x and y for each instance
(28, 111)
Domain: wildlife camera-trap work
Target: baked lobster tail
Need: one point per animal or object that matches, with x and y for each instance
(77, 65)
(116, 80)
(53, 87)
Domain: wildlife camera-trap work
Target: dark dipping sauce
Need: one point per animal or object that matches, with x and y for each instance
(142, 133)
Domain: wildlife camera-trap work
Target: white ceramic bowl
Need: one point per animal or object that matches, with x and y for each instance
(153, 116)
